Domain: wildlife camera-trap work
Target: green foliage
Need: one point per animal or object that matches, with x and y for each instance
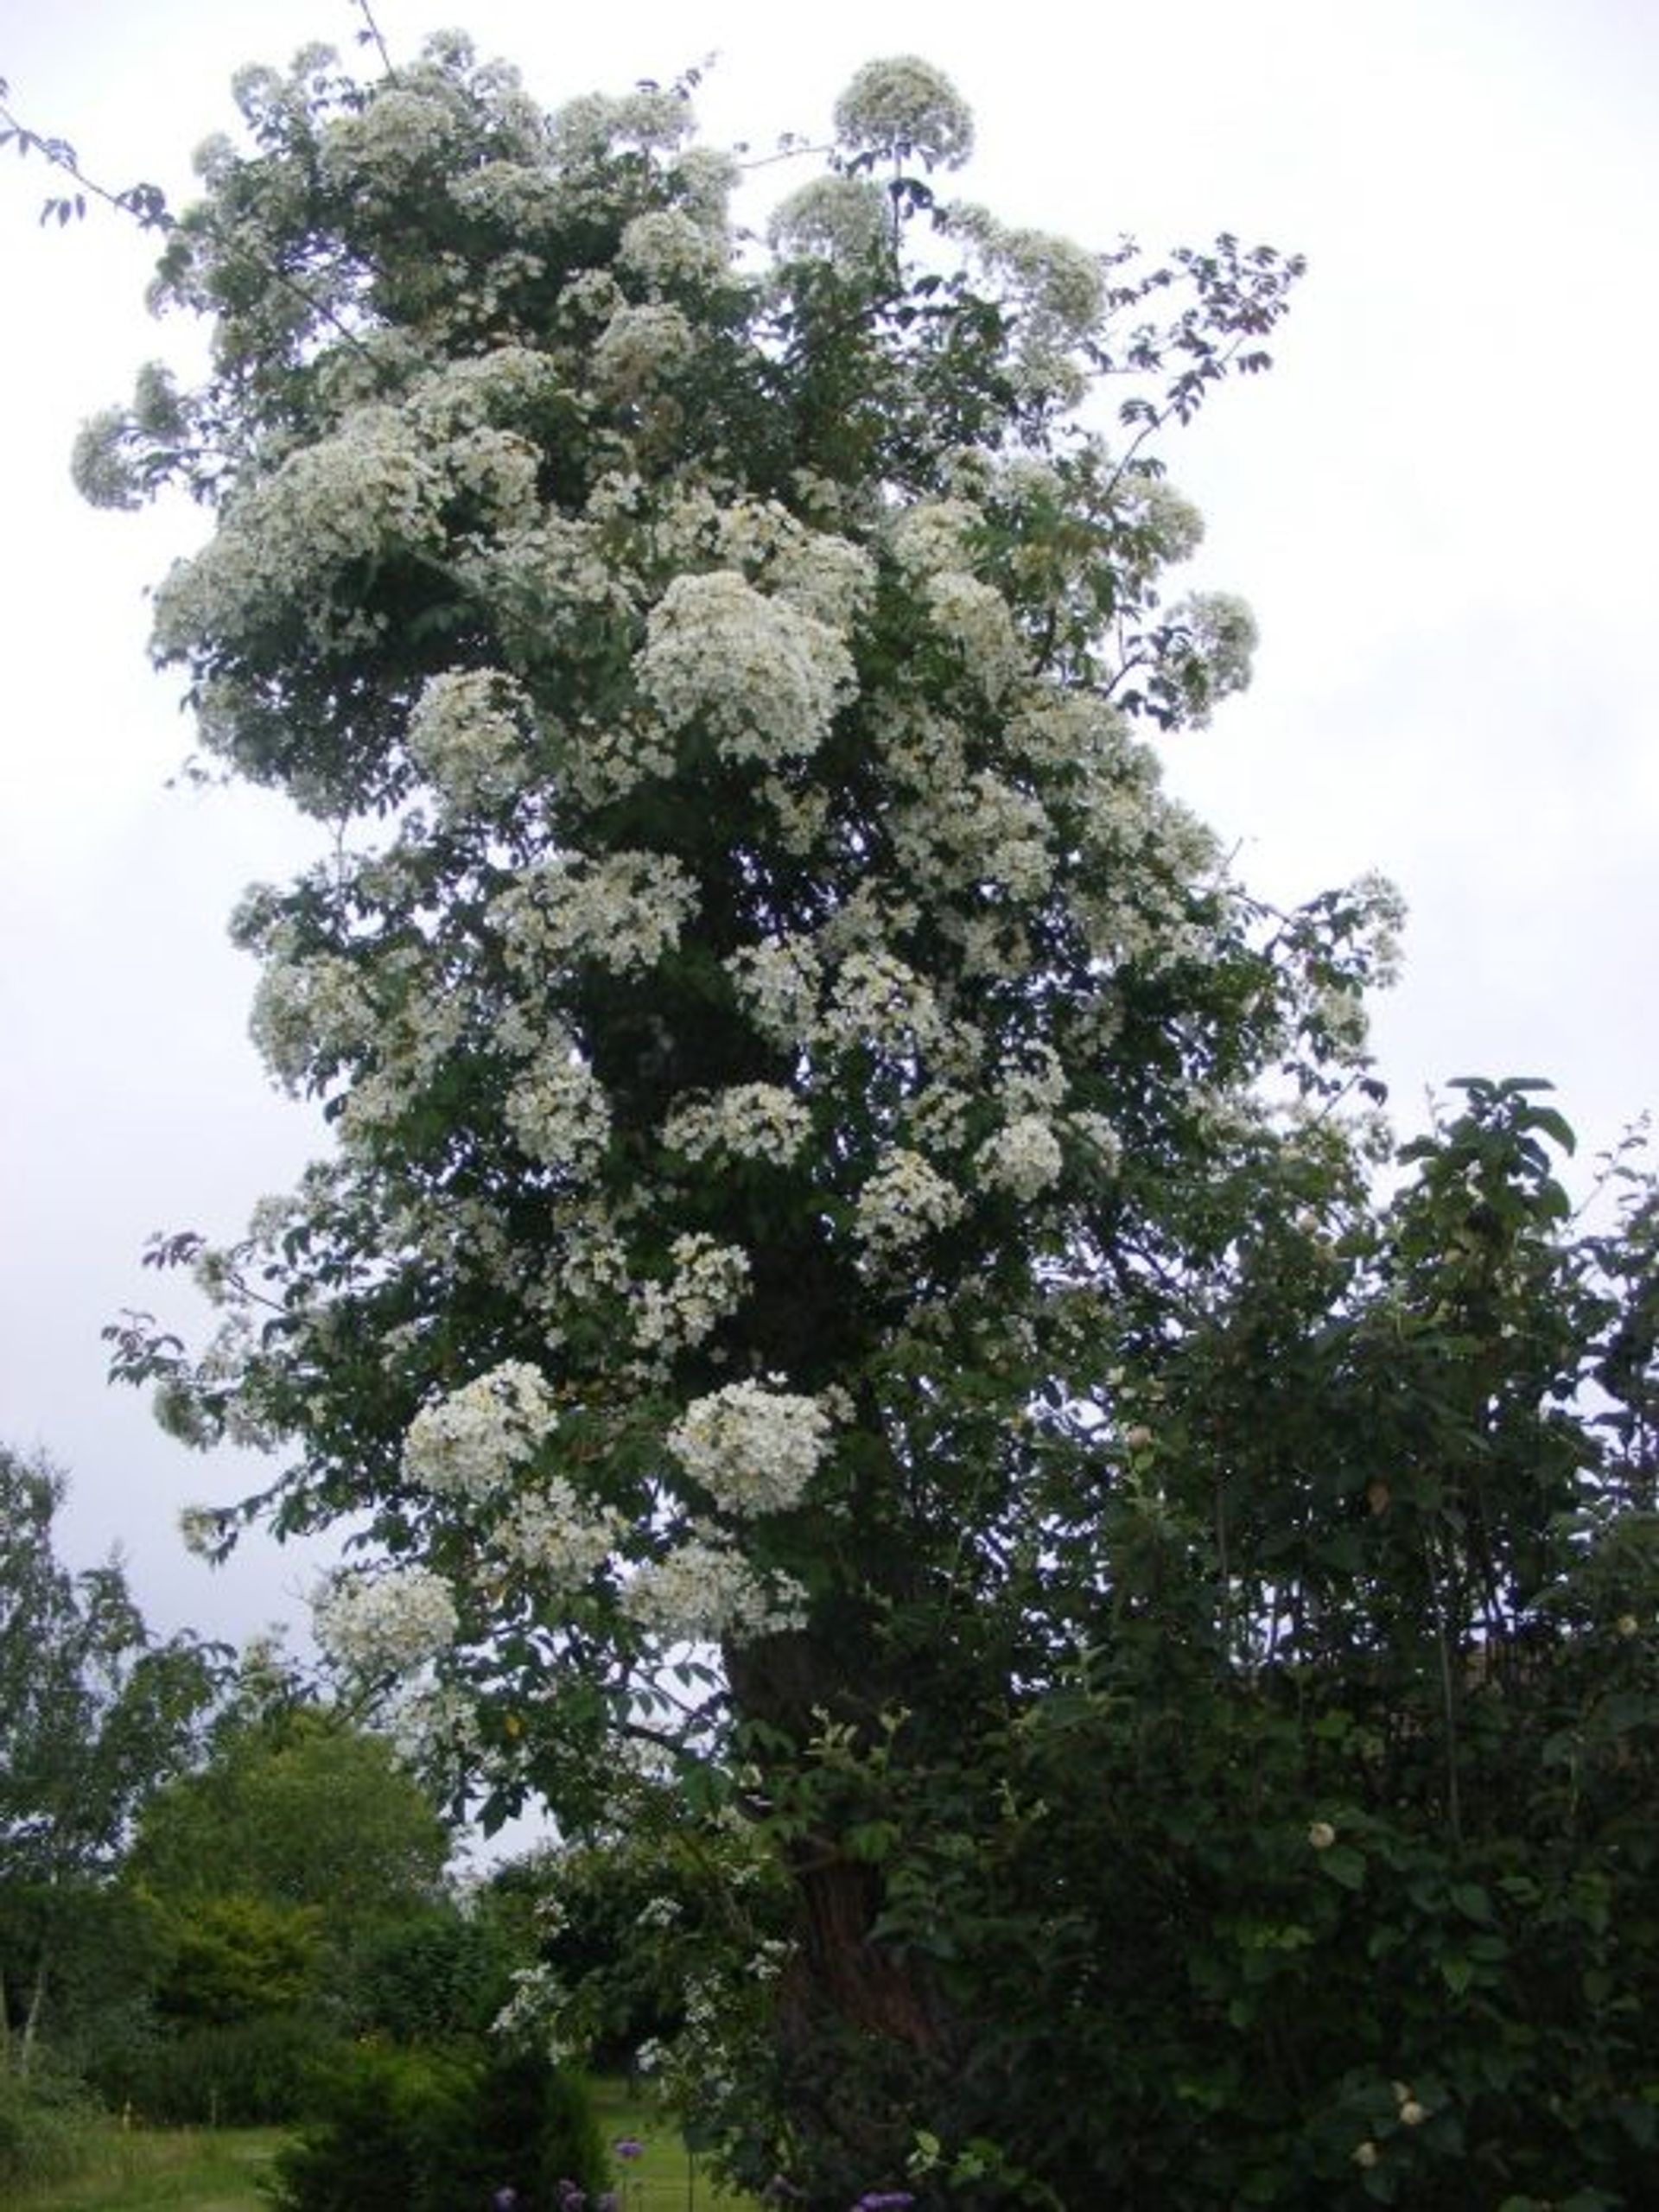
(95, 1715)
(302, 1811)
(852, 1250)
(418, 2132)
(47, 2127)
(251, 2072)
(437, 1976)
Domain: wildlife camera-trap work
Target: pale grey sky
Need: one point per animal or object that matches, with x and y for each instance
(1440, 504)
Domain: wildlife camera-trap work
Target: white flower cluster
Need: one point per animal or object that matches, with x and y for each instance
(763, 678)
(558, 1111)
(934, 535)
(959, 832)
(704, 1593)
(975, 617)
(664, 248)
(877, 1003)
(1057, 283)
(466, 737)
(1023, 1157)
(777, 984)
(904, 1201)
(844, 219)
(815, 571)
(467, 1444)
(309, 1015)
(552, 1534)
(373, 489)
(709, 1280)
(902, 106)
(380, 145)
(749, 1120)
(587, 128)
(622, 911)
(638, 348)
(387, 1623)
(752, 1446)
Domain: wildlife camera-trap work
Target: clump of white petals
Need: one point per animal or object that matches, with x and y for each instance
(1023, 1157)
(466, 737)
(469, 1443)
(905, 106)
(747, 1121)
(308, 1015)
(622, 911)
(706, 1592)
(666, 248)
(777, 983)
(844, 219)
(752, 1446)
(934, 535)
(386, 1624)
(763, 678)
(905, 1201)
(708, 1281)
(975, 618)
(551, 1533)
(638, 348)
(559, 1112)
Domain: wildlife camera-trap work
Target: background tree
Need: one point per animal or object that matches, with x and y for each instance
(282, 1881)
(830, 1168)
(95, 1715)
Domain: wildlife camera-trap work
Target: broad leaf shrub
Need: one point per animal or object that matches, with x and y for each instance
(421, 2131)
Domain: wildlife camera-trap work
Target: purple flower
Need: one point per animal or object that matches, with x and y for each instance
(884, 2200)
(630, 2146)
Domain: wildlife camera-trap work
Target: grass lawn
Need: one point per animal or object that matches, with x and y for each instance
(181, 2169)
(665, 2178)
(219, 2169)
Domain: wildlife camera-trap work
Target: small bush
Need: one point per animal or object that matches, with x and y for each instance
(49, 2126)
(256, 2073)
(405, 2131)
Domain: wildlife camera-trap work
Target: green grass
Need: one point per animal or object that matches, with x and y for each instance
(181, 2169)
(218, 2170)
(665, 2178)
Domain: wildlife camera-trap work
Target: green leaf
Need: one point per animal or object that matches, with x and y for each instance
(1344, 1866)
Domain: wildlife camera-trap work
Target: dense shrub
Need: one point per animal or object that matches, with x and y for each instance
(253, 2073)
(48, 2125)
(405, 2131)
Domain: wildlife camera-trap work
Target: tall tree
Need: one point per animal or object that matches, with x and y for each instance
(95, 1715)
(809, 1106)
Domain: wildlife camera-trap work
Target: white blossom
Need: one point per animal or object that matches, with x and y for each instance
(549, 1532)
(467, 1444)
(705, 1592)
(765, 679)
(559, 1112)
(638, 348)
(385, 1623)
(747, 1121)
(844, 219)
(904, 106)
(904, 1201)
(467, 735)
(666, 248)
(778, 983)
(707, 1282)
(622, 911)
(1024, 1157)
(752, 1446)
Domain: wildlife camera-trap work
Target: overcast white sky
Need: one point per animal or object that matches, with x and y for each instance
(1441, 505)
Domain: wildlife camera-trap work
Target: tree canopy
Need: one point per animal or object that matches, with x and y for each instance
(849, 1272)
(96, 1714)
